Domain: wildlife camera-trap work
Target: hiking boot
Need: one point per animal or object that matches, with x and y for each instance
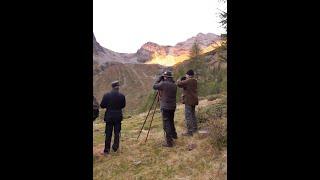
(114, 149)
(187, 134)
(168, 142)
(105, 153)
(165, 144)
(174, 136)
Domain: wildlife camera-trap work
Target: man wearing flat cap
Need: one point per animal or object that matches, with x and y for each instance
(190, 99)
(167, 90)
(95, 108)
(114, 102)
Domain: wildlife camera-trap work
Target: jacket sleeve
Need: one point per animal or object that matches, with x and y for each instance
(182, 84)
(158, 86)
(104, 102)
(123, 102)
(95, 103)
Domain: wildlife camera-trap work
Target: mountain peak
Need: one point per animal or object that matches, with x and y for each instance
(149, 43)
(97, 48)
(154, 53)
(200, 34)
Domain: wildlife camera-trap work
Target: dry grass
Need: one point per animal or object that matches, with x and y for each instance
(138, 160)
(136, 81)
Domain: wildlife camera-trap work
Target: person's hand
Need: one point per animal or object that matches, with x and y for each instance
(160, 78)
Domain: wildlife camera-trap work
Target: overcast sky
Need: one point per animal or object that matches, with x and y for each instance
(125, 25)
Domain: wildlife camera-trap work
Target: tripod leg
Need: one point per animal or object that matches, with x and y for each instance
(147, 114)
(152, 119)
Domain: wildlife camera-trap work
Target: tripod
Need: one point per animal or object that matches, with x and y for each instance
(154, 110)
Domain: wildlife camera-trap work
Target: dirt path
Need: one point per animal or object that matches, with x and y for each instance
(98, 150)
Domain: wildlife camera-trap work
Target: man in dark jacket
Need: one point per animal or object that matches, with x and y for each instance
(114, 102)
(95, 108)
(190, 99)
(167, 92)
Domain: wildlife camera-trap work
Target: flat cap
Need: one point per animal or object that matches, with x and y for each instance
(115, 84)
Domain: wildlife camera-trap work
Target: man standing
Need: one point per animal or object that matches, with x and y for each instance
(167, 92)
(190, 99)
(114, 102)
(95, 108)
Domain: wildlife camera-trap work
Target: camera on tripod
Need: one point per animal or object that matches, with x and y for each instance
(167, 74)
(161, 78)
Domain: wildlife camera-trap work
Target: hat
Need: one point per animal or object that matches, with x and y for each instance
(167, 74)
(115, 84)
(190, 72)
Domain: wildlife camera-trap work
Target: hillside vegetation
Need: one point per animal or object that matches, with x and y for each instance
(211, 74)
(135, 79)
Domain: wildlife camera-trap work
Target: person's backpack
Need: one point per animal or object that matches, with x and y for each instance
(95, 108)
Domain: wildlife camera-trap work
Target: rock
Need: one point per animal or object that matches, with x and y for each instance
(191, 146)
(97, 48)
(203, 132)
(102, 55)
(136, 162)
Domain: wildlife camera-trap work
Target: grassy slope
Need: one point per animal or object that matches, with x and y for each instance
(136, 81)
(137, 160)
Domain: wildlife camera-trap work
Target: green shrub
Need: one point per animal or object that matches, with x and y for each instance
(214, 112)
(213, 117)
(213, 97)
(218, 134)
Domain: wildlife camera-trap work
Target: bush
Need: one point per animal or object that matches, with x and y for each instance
(214, 112)
(218, 133)
(213, 97)
(216, 88)
(214, 118)
(202, 115)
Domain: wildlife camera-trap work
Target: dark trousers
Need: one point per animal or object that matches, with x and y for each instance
(190, 119)
(168, 124)
(112, 125)
(95, 114)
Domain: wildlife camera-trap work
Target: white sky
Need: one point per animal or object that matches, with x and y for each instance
(125, 25)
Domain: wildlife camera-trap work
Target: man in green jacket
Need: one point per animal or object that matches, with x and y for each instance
(190, 99)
